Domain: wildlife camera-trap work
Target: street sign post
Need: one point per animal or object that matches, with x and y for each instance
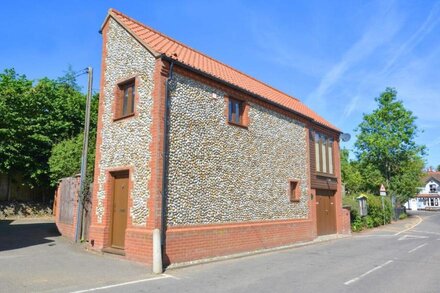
(383, 193)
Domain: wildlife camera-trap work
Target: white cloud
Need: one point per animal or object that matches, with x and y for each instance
(280, 48)
(430, 22)
(384, 25)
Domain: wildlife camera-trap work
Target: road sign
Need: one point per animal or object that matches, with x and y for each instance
(382, 190)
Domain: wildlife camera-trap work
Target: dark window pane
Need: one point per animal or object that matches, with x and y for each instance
(124, 103)
(235, 111)
(128, 100)
(132, 99)
(230, 111)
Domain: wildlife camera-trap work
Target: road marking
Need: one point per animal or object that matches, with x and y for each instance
(126, 283)
(171, 276)
(425, 232)
(412, 237)
(418, 247)
(367, 273)
(420, 220)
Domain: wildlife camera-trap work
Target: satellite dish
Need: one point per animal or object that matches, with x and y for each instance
(345, 136)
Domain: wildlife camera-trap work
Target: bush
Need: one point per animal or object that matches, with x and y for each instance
(355, 217)
(65, 160)
(375, 215)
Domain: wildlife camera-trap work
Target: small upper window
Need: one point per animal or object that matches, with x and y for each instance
(432, 188)
(125, 99)
(294, 192)
(238, 112)
(235, 111)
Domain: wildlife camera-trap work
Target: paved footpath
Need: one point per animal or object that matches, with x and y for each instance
(35, 258)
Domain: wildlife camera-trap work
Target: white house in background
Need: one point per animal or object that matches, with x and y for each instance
(428, 197)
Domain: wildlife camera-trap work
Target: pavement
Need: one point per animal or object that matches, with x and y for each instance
(401, 226)
(401, 257)
(35, 258)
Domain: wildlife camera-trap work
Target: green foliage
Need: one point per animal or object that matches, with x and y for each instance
(438, 168)
(403, 216)
(35, 117)
(386, 148)
(376, 212)
(375, 215)
(359, 178)
(65, 159)
(14, 90)
(357, 223)
(351, 176)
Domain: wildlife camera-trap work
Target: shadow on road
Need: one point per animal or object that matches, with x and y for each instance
(14, 236)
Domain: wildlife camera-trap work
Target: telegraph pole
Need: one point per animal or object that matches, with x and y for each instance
(80, 211)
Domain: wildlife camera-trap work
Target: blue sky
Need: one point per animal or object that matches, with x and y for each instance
(336, 56)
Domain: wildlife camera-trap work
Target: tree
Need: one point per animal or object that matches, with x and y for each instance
(359, 178)
(34, 118)
(386, 146)
(438, 168)
(351, 177)
(65, 159)
(14, 90)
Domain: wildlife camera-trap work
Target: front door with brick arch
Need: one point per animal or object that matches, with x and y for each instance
(325, 212)
(119, 217)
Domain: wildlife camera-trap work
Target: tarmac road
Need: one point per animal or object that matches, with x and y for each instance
(401, 257)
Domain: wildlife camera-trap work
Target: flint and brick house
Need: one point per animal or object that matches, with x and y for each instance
(218, 161)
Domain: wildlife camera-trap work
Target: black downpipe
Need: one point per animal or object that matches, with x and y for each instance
(165, 157)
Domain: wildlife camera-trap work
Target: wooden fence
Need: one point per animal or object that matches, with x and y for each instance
(14, 187)
(66, 204)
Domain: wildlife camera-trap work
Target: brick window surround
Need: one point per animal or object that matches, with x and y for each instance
(237, 112)
(125, 98)
(294, 191)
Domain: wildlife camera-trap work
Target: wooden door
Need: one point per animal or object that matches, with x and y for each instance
(325, 212)
(119, 218)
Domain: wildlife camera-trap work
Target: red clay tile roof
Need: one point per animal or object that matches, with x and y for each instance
(428, 195)
(158, 44)
(431, 174)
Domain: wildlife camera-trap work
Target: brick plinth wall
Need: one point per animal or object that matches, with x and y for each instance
(139, 245)
(191, 243)
(346, 222)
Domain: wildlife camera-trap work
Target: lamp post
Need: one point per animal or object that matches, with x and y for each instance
(383, 193)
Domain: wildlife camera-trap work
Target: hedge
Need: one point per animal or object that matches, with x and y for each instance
(375, 215)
